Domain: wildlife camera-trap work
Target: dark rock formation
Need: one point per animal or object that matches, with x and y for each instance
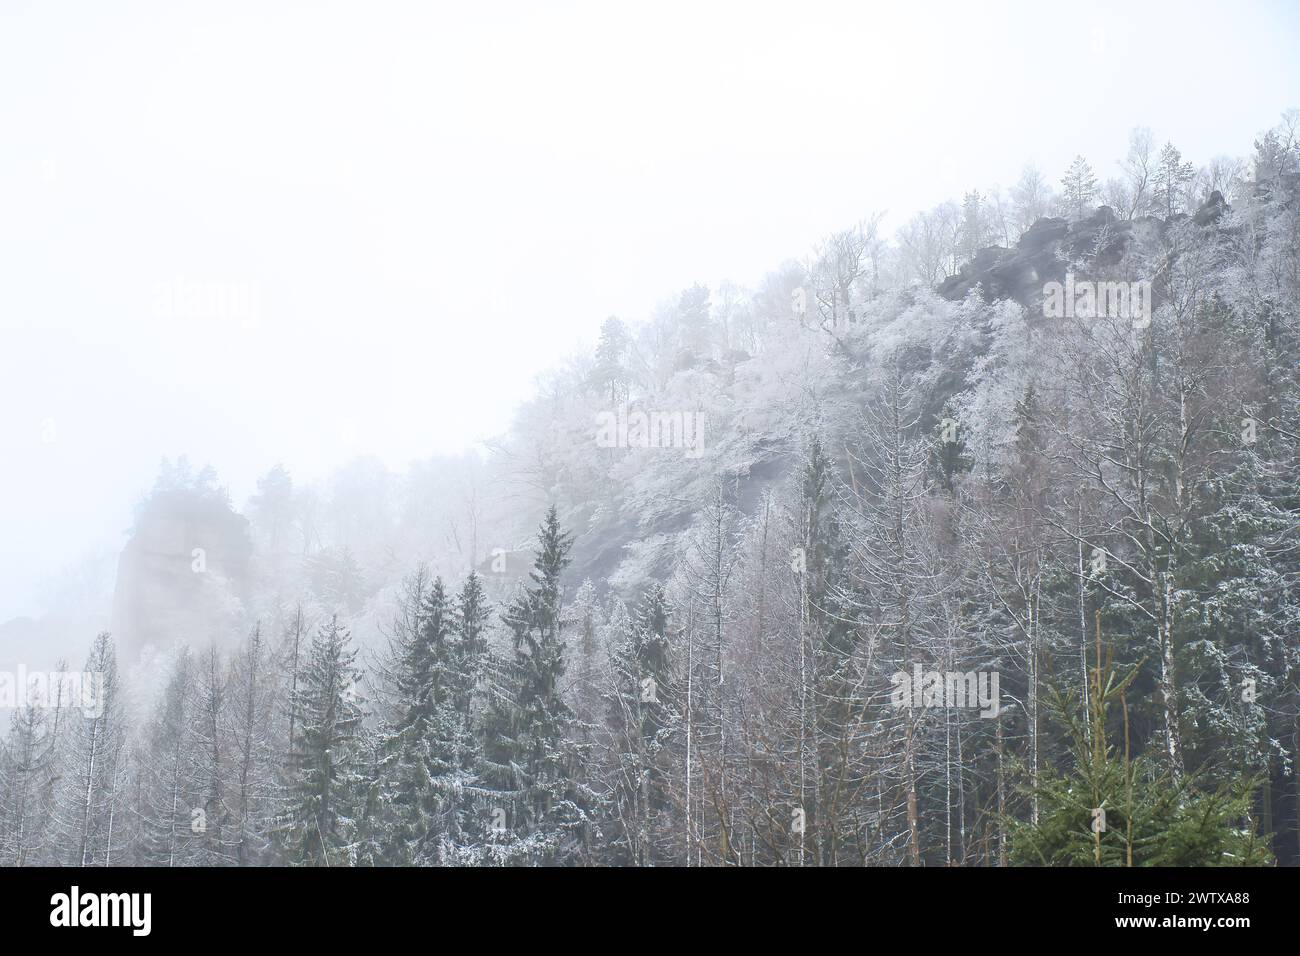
(1048, 246)
(1041, 256)
(1212, 211)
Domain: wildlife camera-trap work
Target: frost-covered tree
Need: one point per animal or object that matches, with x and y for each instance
(249, 728)
(1078, 188)
(27, 768)
(642, 720)
(88, 819)
(320, 799)
(612, 374)
(1170, 180)
(539, 807)
(703, 583)
(428, 751)
(1031, 198)
(169, 791)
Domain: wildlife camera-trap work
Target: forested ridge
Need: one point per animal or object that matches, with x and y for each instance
(650, 649)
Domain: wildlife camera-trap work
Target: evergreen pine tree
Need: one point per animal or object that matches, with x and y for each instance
(317, 824)
(1079, 188)
(430, 740)
(1115, 809)
(641, 723)
(527, 759)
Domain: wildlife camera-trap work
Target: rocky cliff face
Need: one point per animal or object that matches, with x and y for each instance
(183, 574)
(1046, 249)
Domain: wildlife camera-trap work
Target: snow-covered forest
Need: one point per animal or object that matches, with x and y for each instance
(881, 560)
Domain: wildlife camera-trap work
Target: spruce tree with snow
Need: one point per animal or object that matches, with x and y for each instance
(1117, 808)
(587, 667)
(832, 706)
(473, 614)
(317, 823)
(640, 718)
(528, 762)
(585, 621)
(1240, 619)
(610, 375)
(429, 745)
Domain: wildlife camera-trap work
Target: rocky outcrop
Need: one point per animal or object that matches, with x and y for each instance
(1041, 256)
(1046, 249)
(182, 575)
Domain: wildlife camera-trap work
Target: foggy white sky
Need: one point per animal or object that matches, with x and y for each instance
(432, 202)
